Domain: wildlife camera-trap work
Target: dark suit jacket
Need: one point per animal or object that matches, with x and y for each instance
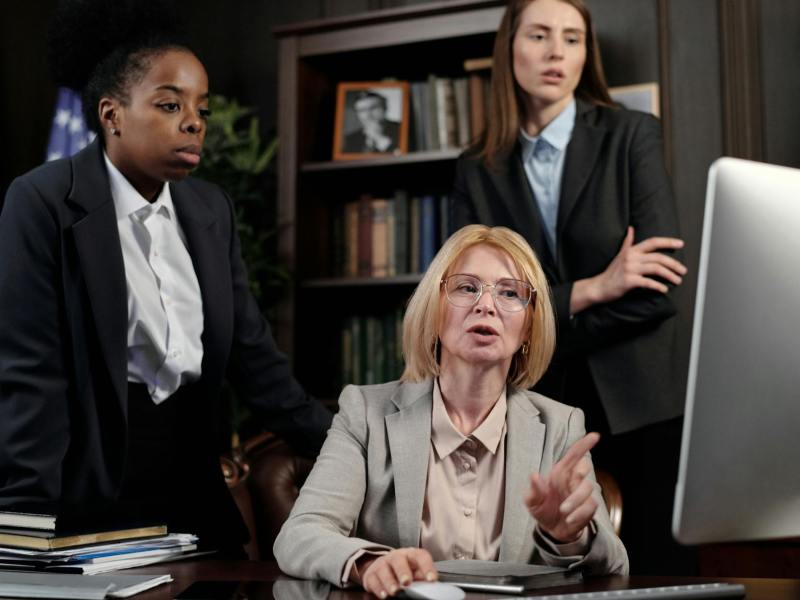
(63, 346)
(356, 141)
(613, 177)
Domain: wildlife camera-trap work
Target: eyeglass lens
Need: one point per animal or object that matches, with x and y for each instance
(509, 294)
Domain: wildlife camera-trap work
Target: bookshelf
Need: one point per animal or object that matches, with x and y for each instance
(315, 322)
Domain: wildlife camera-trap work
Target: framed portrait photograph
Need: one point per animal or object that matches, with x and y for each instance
(371, 119)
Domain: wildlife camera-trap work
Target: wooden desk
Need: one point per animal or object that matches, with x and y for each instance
(269, 583)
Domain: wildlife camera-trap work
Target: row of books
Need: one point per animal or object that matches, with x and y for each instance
(37, 542)
(385, 237)
(448, 112)
(372, 349)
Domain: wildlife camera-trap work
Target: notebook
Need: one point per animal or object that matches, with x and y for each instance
(490, 576)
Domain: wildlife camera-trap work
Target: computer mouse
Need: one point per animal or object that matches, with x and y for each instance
(434, 590)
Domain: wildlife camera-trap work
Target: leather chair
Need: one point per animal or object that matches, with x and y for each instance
(265, 477)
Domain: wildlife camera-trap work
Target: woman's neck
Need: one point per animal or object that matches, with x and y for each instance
(470, 392)
(539, 115)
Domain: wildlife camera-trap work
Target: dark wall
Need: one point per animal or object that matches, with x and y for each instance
(235, 41)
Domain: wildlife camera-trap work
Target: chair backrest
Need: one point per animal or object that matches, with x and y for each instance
(612, 496)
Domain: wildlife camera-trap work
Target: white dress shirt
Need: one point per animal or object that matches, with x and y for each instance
(165, 307)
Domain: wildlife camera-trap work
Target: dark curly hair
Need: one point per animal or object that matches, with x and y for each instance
(102, 47)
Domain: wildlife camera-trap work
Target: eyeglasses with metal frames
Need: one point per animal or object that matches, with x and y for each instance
(510, 295)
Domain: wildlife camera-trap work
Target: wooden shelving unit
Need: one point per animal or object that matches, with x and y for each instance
(404, 44)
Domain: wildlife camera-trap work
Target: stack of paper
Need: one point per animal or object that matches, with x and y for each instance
(101, 558)
(76, 587)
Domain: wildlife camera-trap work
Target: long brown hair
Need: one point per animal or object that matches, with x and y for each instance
(506, 101)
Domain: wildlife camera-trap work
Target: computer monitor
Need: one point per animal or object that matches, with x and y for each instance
(739, 476)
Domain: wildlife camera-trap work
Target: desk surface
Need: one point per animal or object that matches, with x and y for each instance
(269, 583)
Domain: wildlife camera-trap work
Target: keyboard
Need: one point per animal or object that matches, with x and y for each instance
(669, 592)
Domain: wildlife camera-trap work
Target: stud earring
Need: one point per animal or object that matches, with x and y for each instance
(524, 348)
(113, 131)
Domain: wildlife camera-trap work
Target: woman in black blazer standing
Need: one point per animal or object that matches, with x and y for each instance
(583, 180)
(124, 302)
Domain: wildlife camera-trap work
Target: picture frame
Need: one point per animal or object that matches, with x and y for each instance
(372, 119)
(640, 96)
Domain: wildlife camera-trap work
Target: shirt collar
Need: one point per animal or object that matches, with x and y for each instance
(129, 202)
(556, 133)
(446, 437)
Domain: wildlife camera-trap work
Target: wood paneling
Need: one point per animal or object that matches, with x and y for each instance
(780, 51)
(741, 78)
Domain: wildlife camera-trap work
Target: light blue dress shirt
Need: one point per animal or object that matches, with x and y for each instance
(543, 158)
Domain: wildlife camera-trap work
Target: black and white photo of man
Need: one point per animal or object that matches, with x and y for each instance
(374, 132)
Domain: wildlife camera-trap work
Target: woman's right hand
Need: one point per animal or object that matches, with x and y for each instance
(634, 266)
(388, 574)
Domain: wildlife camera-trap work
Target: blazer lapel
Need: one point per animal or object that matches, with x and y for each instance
(100, 254)
(409, 432)
(582, 153)
(514, 192)
(212, 266)
(524, 446)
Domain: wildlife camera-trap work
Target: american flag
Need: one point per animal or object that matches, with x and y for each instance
(69, 133)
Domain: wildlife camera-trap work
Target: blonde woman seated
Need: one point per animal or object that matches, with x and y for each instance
(457, 459)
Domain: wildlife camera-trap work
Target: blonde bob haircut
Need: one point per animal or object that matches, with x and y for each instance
(422, 319)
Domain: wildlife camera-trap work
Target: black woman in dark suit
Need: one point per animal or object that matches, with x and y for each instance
(124, 301)
(583, 180)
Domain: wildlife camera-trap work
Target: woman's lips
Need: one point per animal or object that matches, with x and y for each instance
(552, 76)
(189, 155)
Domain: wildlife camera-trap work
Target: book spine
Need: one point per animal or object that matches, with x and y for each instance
(401, 241)
(351, 239)
(379, 257)
(428, 231)
(433, 114)
(477, 108)
(365, 235)
(391, 242)
(461, 89)
(414, 228)
(338, 246)
(418, 109)
(444, 220)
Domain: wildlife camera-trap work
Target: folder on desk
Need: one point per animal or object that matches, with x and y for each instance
(76, 587)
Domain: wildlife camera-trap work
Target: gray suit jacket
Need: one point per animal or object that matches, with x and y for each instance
(367, 487)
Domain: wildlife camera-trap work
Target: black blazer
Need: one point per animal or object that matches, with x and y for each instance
(63, 346)
(613, 177)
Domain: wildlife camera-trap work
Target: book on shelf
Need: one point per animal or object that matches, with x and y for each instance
(379, 226)
(364, 235)
(446, 119)
(414, 234)
(432, 114)
(401, 239)
(372, 348)
(34, 539)
(513, 578)
(462, 110)
(419, 118)
(351, 239)
(428, 231)
(483, 63)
